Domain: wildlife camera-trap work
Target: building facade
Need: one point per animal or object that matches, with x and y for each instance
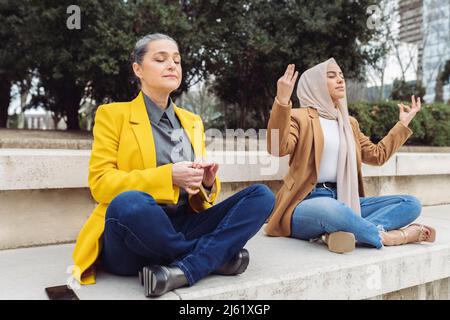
(426, 23)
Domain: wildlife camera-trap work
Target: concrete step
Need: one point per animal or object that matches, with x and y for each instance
(280, 268)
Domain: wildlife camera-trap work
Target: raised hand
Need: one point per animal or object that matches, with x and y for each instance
(286, 83)
(408, 113)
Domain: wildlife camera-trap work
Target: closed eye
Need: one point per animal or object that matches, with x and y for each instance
(332, 74)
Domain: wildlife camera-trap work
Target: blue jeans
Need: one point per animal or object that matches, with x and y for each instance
(139, 232)
(321, 213)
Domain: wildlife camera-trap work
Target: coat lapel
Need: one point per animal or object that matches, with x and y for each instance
(142, 129)
(317, 137)
(140, 123)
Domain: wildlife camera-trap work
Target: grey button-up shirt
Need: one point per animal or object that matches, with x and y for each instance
(171, 142)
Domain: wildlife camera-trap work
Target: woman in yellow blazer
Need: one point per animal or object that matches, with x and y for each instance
(323, 193)
(156, 190)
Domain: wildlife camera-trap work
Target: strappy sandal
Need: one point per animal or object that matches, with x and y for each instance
(422, 236)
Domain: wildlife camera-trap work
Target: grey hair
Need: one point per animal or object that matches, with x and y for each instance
(140, 49)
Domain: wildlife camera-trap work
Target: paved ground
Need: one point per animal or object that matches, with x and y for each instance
(280, 268)
(59, 139)
(45, 139)
(47, 134)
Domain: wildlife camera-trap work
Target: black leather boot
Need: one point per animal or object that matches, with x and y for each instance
(236, 265)
(158, 280)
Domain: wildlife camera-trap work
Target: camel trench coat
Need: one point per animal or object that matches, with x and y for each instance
(301, 137)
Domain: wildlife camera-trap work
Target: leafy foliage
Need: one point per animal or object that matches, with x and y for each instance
(430, 126)
(244, 44)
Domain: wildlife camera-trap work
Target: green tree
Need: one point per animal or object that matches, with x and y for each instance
(95, 60)
(66, 59)
(251, 42)
(244, 44)
(14, 61)
(402, 90)
(141, 17)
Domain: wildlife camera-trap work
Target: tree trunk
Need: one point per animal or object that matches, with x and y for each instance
(381, 95)
(5, 99)
(72, 115)
(439, 89)
(56, 118)
(70, 100)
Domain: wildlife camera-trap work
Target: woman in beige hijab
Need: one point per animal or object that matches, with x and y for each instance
(323, 193)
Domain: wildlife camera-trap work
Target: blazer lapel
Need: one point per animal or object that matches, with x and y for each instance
(140, 123)
(192, 129)
(317, 137)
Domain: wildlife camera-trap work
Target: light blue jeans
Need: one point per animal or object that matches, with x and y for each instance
(321, 213)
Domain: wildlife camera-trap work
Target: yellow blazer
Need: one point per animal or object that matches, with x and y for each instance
(123, 158)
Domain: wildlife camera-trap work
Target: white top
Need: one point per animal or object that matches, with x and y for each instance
(330, 155)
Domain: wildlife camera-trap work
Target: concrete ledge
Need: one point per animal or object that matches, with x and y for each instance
(295, 269)
(40, 217)
(45, 198)
(422, 164)
(22, 169)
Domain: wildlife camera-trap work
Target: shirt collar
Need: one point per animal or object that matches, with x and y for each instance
(155, 113)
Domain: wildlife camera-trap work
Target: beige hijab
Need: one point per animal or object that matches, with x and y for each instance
(312, 91)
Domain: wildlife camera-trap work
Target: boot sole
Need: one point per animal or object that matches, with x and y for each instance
(245, 262)
(341, 242)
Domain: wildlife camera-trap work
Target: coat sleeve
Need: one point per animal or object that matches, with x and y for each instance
(106, 181)
(377, 154)
(282, 131)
